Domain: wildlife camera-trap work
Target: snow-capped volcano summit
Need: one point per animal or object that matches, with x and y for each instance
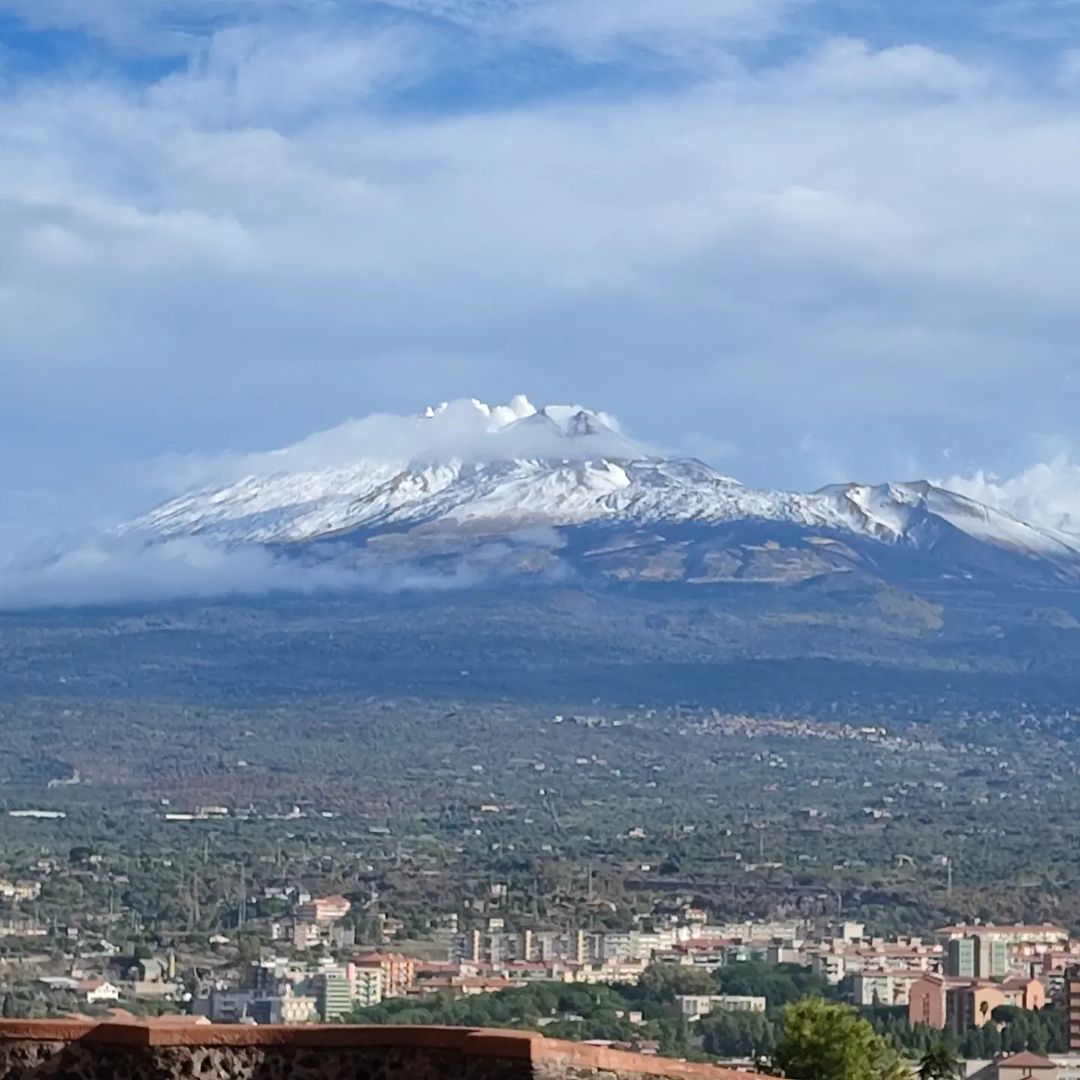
(491, 469)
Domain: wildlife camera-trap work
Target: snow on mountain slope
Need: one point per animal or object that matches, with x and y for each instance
(890, 511)
(496, 468)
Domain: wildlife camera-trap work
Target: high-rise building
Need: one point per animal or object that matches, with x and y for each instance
(334, 995)
(1072, 1008)
(994, 957)
(962, 958)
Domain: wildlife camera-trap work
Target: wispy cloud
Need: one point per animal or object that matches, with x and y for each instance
(106, 569)
(606, 29)
(313, 210)
(255, 74)
(463, 430)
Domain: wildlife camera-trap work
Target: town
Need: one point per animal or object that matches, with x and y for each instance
(1006, 995)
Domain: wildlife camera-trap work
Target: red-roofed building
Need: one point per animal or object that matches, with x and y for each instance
(323, 911)
(1026, 1066)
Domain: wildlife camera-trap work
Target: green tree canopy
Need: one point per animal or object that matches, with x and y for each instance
(939, 1063)
(669, 980)
(820, 1041)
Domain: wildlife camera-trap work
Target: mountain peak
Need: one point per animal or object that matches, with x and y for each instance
(505, 466)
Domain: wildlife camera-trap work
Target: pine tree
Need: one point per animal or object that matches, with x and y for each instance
(939, 1063)
(832, 1042)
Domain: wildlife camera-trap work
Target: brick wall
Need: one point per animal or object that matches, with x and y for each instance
(149, 1051)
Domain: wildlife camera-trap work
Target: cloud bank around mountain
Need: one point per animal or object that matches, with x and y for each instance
(1046, 494)
(106, 570)
(757, 227)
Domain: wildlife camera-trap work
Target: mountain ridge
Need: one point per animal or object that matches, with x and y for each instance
(516, 467)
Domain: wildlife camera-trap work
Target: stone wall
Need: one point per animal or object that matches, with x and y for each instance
(76, 1050)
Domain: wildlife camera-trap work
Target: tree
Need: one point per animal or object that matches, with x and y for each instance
(779, 984)
(939, 1063)
(80, 854)
(820, 1041)
(737, 1034)
(669, 980)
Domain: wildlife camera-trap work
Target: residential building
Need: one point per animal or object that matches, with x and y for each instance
(1047, 935)
(323, 911)
(367, 985)
(1022, 1066)
(695, 1006)
(398, 972)
(306, 935)
(290, 1008)
(971, 1005)
(926, 1002)
(334, 995)
(1025, 1066)
(995, 959)
(284, 1008)
(1024, 993)
(225, 1006)
(1072, 1008)
(19, 890)
(98, 990)
(987, 955)
(961, 958)
(883, 987)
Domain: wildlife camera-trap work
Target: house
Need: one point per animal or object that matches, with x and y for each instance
(1022, 1066)
(19, 890)
(323, 911)
(98, 990)
(1025, 1066)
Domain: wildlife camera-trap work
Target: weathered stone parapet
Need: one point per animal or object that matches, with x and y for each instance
(74, 1050)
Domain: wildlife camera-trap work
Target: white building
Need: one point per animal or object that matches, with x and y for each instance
(695, 1006)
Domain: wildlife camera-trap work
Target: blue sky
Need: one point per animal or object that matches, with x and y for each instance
(809, 241)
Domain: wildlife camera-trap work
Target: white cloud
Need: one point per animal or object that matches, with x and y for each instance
(464, 429)
(848, 65)
(107, 569)
(104, 570)
(257, 74)
(876, 245)
(680, 26)
(1046, 494)
(604, 29)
